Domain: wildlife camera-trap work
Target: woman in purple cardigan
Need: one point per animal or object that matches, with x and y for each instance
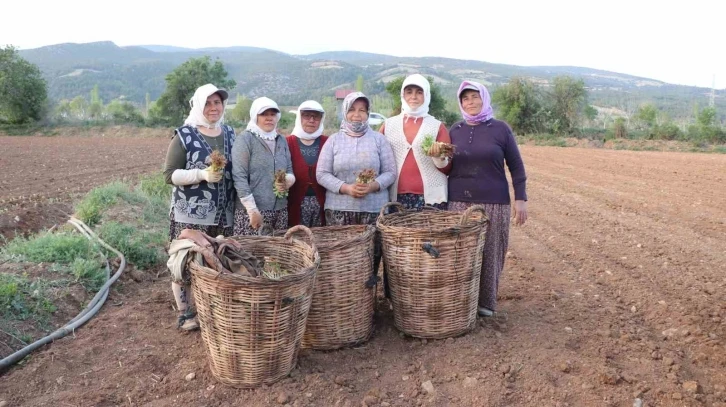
(483, 145)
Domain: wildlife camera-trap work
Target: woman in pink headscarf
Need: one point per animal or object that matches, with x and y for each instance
(483, 145)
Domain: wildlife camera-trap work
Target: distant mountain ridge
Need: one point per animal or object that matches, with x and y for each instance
(130, 72)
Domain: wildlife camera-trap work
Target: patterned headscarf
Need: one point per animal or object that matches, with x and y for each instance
(486, 109)
(354, 128)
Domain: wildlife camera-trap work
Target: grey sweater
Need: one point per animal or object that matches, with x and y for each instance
(253, 169)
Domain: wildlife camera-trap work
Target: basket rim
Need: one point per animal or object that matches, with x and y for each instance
(458, 227)
(239, 278)
(382, 225)
(367, 231)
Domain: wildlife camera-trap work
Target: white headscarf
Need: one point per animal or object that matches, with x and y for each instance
(259, 105)
(197, 103)
(309, 105)
(423, 83)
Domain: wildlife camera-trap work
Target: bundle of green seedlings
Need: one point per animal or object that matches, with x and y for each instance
(272, 269)
(445, 149)
(279, 178)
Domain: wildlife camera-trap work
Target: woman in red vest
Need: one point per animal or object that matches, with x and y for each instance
(306, 199)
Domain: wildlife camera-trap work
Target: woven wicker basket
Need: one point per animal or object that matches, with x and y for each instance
(252, 327)
(433, 261)
(342, 310)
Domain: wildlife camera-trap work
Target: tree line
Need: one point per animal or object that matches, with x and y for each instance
(559, 107)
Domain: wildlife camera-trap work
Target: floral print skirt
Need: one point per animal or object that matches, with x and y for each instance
(415, 202)
(212, 230)
(495, 249)
(271, 221)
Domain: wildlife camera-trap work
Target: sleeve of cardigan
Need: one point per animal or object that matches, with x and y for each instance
(289, 159)
(388, 164)
(241, 165)
(516, 167)
(324, 172)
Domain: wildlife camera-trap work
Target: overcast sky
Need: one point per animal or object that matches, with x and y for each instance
(680, 42)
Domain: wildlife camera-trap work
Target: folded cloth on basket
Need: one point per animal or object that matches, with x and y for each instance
(221, 254)
(236, 260)
(177, 263)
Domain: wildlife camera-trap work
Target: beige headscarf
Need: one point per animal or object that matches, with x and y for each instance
(197, 103)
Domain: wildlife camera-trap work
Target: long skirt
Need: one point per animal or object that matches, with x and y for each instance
(415, 202)
(495, 249)
(310, 212)
(271, 221)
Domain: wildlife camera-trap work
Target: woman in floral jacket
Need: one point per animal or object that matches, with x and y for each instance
(202, 199)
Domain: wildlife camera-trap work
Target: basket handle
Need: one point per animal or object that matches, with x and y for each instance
(470, 210)
(390, 205)
(306, 231)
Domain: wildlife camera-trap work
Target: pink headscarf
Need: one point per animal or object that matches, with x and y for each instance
(486, 110)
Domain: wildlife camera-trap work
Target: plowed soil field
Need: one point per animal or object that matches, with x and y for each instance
(613, 294)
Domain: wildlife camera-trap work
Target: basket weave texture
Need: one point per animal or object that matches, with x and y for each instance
(343, 301)
(433, 261)
(252, 327)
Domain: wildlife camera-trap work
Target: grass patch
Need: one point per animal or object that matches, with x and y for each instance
(155, 186)
(8, 291)
(545, 139)
(91, 208)
(157, 194)
(21, 298)
(141, 239)
(70, 259)
(152, 194)
(143, 248)
(59, 247)
(90, 273)
(29, 129)
(555, 142)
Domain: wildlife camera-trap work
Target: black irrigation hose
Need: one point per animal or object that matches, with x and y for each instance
(91, 309)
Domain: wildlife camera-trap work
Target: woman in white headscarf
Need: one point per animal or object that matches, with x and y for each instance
(306, 201)
(258, 153)
(202, 199)
(421, 176)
